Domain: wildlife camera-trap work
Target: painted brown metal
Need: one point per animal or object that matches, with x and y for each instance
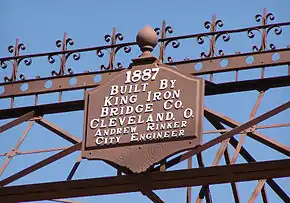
(17, 121)
(257, 190)
(15, 151)
(214, 89)
(211, 61)
(151, 151)
(188, 189)
(87, 80)
(280, 125)
(168, 40)
(224, 144)
(41, 150)
(233, 185)
(74, 168)
(62, 133)
(249, 158)
(217, 158)
(206, 189)
(40, 164)
(229, 134)
(158, 180)
(65, 201)
(255, 135)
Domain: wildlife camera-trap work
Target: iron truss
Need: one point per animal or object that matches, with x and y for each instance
(209, 63)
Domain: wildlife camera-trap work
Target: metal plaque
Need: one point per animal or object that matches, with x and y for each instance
(141, 115)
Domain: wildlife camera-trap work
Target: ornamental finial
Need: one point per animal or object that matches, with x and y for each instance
(147, 39)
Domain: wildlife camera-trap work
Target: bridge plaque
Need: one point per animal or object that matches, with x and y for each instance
(143, 114)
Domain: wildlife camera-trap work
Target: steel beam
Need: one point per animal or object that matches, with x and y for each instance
(60, 107)
(62, 133)
(156, 181)
(247, 85)
(206, 189)
(23, 117)
(255, 135)
(250, 159)
(233, 185)
(210, 89)
(226, 135)
(15, 151)
(39, 165)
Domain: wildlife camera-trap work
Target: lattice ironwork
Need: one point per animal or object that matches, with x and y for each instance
(209, 63)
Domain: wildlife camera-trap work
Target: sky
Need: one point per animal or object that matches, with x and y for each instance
(39, 24)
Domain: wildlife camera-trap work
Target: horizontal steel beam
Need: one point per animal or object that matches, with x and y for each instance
(44, 108)
(210, 89)
(247, 85)
(234, 62)
(154, 181)
(88, 80)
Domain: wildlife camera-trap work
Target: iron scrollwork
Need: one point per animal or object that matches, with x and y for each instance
(164, 43)
(112, 39)
(63, 44)
(212, 26)
(15, 62)
(264, 31)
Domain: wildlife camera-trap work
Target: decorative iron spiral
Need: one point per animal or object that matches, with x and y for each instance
(51, 59)
(168, 29)
(226, 37)
(119, 36)
(17, 61)
(27, 61)
(75, 55)
(119, 65)
(69, 41)
(3, 64)
(264, 36)
(22, 77)
(11, 49)
(126, 49)
(21, 46)
(58, 43)
(219, 23)
(174, 43)
(277, 31)
(207, 24)
(157, 30)
(200, 38)
(7, 79)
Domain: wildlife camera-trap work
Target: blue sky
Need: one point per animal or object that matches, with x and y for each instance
(40, 23)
